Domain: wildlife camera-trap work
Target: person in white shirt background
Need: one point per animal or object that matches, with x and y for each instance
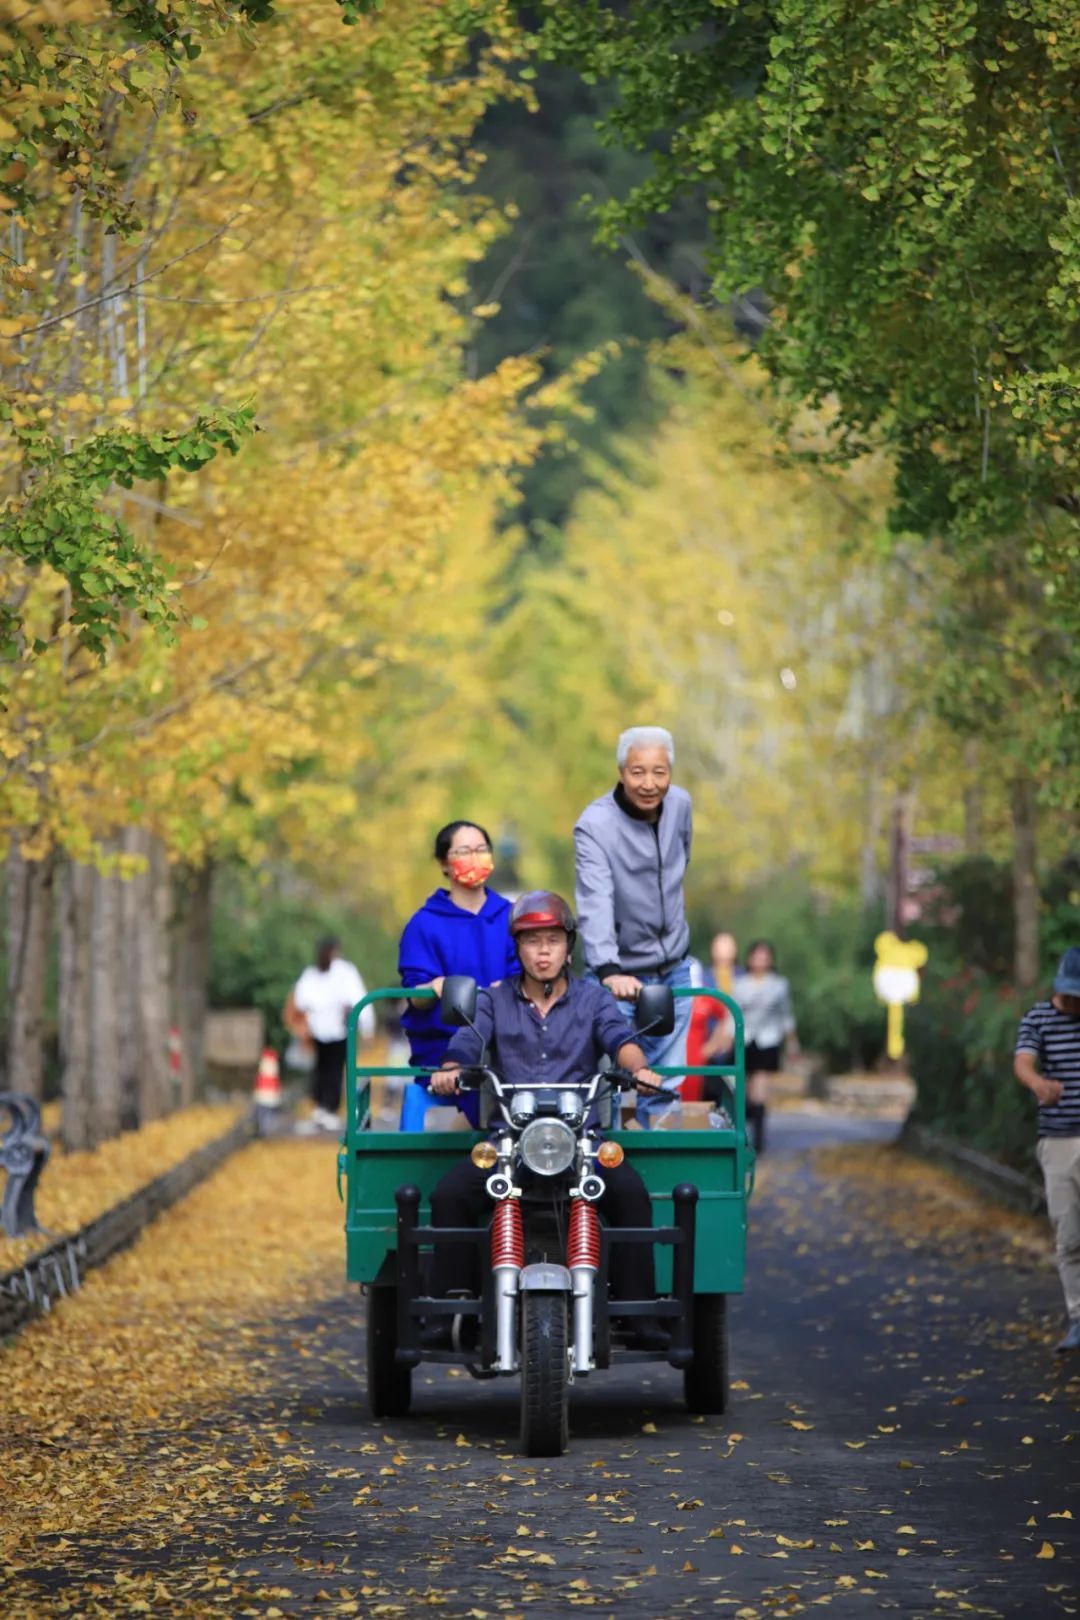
(316, 1013)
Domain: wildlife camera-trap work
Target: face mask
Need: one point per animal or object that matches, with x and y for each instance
(472, 870)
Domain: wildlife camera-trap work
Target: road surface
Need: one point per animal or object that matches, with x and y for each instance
(900, 1439)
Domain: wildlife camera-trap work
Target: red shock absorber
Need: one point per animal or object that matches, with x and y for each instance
(583, 1247)
(507, 1237)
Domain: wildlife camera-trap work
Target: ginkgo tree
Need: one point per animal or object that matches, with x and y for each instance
(300, 222)
(899, 182)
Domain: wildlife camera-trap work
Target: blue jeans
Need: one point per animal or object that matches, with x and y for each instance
(662, 1050)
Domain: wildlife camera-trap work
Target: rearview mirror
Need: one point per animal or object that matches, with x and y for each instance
(457, 1004)
(655, 1010)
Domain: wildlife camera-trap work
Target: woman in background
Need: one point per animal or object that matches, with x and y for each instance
(463, 928)
(316, 1013)
(769, 1023)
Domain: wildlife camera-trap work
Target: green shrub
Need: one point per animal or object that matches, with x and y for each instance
(826, 950)
(262, 943)
(961, 1036)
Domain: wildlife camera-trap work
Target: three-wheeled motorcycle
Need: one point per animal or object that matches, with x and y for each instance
(544, 1313)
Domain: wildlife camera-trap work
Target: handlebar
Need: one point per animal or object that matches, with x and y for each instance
(471, 1076)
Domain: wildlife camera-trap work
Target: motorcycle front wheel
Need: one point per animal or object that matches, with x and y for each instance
(545, 1427)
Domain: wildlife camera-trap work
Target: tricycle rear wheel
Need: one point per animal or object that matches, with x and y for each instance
(389, 1385)
(545, 1423)
(706, 1379)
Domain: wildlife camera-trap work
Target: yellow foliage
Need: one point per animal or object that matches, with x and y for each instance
(155, 1345)
(301, 247)
(78, 1187)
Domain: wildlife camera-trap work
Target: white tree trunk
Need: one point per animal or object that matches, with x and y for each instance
(30, 926)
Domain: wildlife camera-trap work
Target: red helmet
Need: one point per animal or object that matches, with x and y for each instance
(540, 908)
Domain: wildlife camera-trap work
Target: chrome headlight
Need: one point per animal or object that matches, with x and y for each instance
(548, 1147)
(571, 1108)
(522, 1107)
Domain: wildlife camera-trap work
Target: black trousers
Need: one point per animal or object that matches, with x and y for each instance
(460, 1198)
(328, 1074)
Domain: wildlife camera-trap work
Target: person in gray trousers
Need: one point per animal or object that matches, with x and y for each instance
(631, 851)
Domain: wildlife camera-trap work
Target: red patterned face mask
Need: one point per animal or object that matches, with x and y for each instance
(472, 870)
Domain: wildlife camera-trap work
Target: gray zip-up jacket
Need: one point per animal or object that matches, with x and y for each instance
(630, 883)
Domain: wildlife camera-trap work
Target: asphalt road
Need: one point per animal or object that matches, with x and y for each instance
(900, 1439)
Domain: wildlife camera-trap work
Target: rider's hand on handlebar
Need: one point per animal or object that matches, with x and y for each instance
(623, 986)
(444, 1082)
(647, 1078)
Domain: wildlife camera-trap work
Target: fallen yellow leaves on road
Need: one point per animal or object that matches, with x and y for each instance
(937, 1204)
(77, 1187)
(157, 1343)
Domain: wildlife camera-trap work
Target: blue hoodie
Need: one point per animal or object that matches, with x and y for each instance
(443, 938)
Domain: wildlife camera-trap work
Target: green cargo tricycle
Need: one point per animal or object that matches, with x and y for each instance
(544, 1313)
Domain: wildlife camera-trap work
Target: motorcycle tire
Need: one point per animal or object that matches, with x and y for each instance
(389, 1385)
(705, 1381)
(545, 1396)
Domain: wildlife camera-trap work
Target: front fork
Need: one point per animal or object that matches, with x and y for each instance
(507, 1259)
(583, 1262)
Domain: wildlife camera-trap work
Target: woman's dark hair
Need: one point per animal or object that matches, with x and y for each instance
(762, 945)
(324, 952)
(444, 838)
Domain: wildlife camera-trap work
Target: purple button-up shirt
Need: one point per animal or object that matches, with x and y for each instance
(566, 1043)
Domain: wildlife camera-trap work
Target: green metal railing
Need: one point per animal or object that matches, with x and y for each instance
(358, 1078)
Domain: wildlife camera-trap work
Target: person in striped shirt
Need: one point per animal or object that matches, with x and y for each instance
(1047, 1062)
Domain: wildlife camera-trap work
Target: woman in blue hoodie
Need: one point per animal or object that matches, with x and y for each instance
(461, 929)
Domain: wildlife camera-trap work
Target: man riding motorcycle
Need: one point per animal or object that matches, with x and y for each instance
(543, 1027)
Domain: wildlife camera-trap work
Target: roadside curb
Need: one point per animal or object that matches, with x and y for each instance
(32, 1289)
(989, 1175)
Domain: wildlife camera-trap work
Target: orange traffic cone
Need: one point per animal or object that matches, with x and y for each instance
(267, 1093)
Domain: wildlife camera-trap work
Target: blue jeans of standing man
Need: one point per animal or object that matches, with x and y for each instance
(663, 1051)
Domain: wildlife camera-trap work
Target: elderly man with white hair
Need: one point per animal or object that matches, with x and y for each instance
(631, 849)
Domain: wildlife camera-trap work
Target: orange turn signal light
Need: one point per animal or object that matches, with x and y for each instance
(484, 1155)
(610, 1154)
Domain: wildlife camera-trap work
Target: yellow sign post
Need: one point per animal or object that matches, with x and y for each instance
(896, 982)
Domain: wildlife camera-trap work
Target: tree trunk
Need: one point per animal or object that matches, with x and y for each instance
(105, 1010)
(193, 893)
(145, 985)
(899, 862)
(973, 800)
(1025, 882)
(30, 923)
(870, 864)
(80, 1125)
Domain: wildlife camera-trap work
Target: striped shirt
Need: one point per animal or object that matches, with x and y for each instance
(1054, 1039)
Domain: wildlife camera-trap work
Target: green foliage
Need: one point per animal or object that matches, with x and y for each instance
(960, 1040)
(898, 180)
(561, 293)
(825, 950)
(969, 919)
(59, 522)
(262, 942)
(962, 1033)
